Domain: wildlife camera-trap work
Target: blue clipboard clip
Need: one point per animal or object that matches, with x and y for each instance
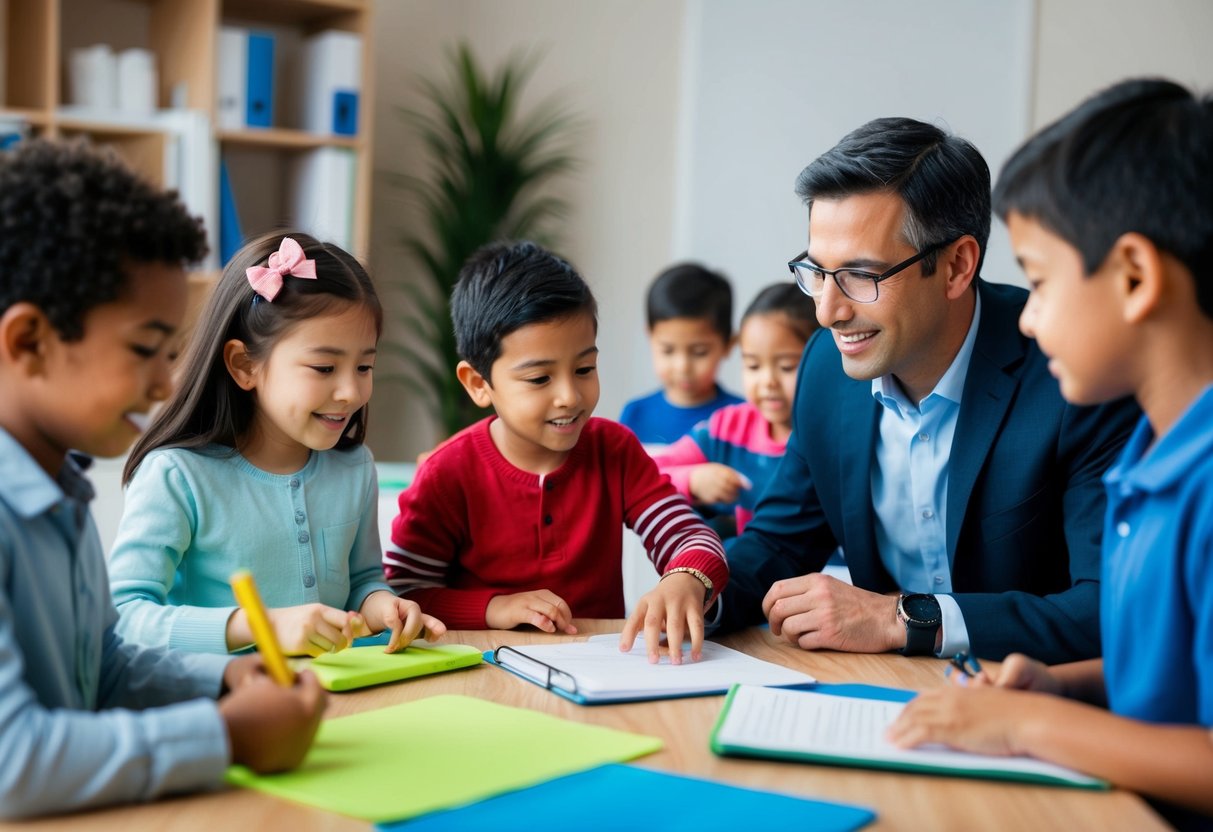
(538, 672)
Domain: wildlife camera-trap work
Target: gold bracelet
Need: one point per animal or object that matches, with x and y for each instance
(703, 578)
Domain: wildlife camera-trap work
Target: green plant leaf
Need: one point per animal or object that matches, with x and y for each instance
(486, 167)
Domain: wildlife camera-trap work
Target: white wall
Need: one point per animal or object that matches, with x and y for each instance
(1086, 45)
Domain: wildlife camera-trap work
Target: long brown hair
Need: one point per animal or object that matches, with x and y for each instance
(208, 407)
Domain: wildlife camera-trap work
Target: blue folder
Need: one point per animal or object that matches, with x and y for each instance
(260, 98)
(231, 238)
(631, 798)
(345, 113)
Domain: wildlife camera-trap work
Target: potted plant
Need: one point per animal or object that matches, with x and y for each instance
(484, 164)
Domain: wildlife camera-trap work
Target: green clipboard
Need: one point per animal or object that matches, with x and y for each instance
(360, 667)
(734, 735)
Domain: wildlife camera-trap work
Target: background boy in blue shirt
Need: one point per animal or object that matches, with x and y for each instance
(690, 321)
(1110, 212)
(92, 294)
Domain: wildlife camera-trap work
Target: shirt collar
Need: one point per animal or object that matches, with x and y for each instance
(950, 386)
(1187, 443)
(28, 489)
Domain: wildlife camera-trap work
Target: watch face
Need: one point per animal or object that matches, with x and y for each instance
(921, 609)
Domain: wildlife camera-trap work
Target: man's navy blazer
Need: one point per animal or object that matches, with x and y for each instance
(1025, 502)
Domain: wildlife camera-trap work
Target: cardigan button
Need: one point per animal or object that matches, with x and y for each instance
(547, 519)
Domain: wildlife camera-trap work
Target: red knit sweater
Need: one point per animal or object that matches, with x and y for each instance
(472, 526)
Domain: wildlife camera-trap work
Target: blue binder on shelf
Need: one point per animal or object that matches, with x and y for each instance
(230, 235)
(260, 98)
(345, 113)
(627, 798)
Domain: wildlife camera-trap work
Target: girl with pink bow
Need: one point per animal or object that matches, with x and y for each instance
(257, 462)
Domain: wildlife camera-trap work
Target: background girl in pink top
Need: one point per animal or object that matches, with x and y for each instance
(726, 461)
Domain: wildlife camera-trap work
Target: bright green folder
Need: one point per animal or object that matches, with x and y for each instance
(403, 761)
(358, 667)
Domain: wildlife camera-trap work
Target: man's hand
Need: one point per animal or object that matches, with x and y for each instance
(817, 612)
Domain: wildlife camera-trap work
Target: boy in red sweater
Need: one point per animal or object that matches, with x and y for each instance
(519, 518)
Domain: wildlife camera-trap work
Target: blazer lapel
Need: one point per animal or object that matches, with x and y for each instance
(990, 384)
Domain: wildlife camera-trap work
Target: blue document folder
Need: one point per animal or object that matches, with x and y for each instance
(630, 798)
(345, 112)
(260, 98)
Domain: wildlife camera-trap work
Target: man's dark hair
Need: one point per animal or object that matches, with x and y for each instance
(690, 290)
(505, 286)
(942, 179)
(1137, 156)
(74, 219)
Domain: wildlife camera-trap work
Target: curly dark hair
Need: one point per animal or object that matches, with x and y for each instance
(71, 217)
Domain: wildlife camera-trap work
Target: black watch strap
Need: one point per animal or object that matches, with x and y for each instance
(920, 640)
(920, 634)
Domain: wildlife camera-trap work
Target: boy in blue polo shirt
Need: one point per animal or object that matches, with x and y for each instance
(690, 319)
(1110, 212)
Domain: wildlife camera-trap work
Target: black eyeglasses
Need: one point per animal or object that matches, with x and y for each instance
(859, 286)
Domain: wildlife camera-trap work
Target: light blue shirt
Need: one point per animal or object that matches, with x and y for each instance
(81, 716)
(192, 518)
(910, 487)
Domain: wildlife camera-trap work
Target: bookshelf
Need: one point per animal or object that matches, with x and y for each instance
(38, 37)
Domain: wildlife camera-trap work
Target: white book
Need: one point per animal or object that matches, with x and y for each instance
(850, 730)
(321, 194)
(595, 671)
(331, 83)
(231, 85)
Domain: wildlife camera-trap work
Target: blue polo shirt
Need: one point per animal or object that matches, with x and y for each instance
(1156, 603)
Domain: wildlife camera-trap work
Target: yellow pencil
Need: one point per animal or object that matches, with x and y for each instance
(267, 643)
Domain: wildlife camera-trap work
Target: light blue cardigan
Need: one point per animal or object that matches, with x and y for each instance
(193, 517)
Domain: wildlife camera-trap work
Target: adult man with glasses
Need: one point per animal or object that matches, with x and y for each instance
(929, 440)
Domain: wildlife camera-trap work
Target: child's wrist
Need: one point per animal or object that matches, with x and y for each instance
(702, 577)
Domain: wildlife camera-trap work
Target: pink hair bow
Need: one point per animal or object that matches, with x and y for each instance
(288, 259)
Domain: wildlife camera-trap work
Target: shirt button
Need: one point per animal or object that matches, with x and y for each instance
(309, 581)
(927, 514)
(294, 482)
(299, 517)
(304, 537)
(547, 519)
(938, 579)
(922, 437)
(1122, 528)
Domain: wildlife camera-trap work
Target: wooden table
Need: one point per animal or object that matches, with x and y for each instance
(902, 801)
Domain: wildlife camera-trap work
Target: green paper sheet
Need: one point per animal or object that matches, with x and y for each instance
(405, 760)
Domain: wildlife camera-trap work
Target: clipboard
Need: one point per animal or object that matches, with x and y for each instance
(594, 672)
(805, 726)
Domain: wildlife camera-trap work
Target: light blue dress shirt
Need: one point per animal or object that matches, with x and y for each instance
(910, 487)
(86, 719)
(192, 518)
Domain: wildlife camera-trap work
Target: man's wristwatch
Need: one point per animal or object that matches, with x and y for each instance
(920, 613)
